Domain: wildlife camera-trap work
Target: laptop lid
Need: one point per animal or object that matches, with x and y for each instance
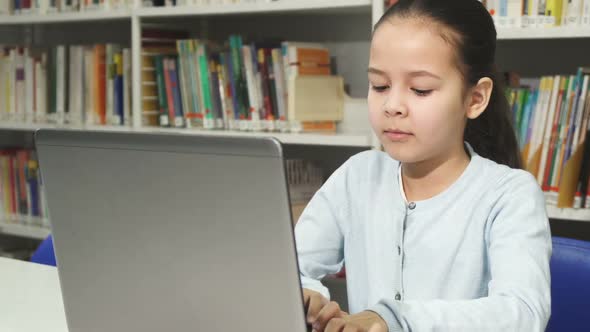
(159, 232)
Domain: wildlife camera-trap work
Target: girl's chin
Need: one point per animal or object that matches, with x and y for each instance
(402, 154)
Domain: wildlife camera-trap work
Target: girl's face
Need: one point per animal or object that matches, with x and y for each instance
(417, 102)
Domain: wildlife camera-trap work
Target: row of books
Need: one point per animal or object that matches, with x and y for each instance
(539, 13)
(21, 191)
(551, 117)
(41, 7)
(66, 85)
(237, 86)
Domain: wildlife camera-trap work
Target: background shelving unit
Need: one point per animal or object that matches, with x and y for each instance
(343, 25)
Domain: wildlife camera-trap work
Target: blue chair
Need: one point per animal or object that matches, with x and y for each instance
(44, 253)
(570, 286)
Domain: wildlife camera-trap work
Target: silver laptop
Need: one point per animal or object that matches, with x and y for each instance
(159, 232)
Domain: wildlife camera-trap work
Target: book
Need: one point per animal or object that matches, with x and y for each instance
(21, 194)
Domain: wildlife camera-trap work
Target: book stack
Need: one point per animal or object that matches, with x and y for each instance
(42, 7)
(66, 85)
(539, 13)
(21, 190)
(197, 83)
(551, 117)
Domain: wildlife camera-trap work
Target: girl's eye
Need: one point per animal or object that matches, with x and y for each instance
(422, 93)
(379, 88)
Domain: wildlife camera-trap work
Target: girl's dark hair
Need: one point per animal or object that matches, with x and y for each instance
(492, 134)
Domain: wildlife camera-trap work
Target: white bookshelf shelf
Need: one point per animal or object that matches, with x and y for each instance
(305, 6)
(339, 139)
(65, 17)
(26, 231)
(543, 33)
(568, 214)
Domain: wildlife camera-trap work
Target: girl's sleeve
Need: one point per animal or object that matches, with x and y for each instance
(519, 297)
(319, 233)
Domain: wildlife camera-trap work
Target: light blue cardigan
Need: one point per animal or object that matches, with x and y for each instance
(473, 258)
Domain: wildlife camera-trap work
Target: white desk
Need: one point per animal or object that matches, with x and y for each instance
(30, 298)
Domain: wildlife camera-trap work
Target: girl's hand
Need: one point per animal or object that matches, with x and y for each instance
(319, 310)
(366, 321)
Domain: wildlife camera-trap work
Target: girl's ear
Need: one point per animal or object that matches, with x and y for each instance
(479, 97)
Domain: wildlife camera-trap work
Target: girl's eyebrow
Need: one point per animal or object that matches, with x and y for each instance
(376, 71)
(423, 73)
(417, 73)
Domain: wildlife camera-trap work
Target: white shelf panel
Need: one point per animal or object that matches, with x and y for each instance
(26, 231)
(339, 139)
(543, 33)
(65, 17)
(568, 214)
(307, 6)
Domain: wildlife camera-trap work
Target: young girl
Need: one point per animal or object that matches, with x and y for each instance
(442, 231)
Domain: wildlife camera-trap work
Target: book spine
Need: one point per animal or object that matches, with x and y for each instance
(20, 87)
(195, 49)
(234, 92)
(557, 135)
(119, 102)
(29, 88)
(90, 115)
(563, 129)
(183, 81)
(164, 118)
(196, 118)
(12, 70)
(169, 94)
(110, 83)
(100, 83)
(251, 82)
(281, 89)
(581, 113)
(239, 74)
(267, 113)
(215, 95)
(551, 134)
(176, 95)
(209, 120)
(127, 119)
